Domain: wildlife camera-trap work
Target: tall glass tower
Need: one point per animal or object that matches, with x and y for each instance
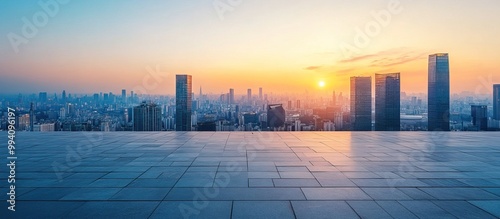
(439, 92)
(496, 101)
(387, 102)
(183, 102)
(361, 103)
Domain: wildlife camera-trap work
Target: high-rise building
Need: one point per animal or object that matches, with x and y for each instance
(124, 95)
(147, 117)
(42, 97)
(231, 96)
(32, 116)
(249, 95)
(439, 92)
(63, 97)
(361, 103)
(260, 93)
(479, 114)
(275, 116)
(496, 101)
(297, 105)
(387, 102)
(183, 102)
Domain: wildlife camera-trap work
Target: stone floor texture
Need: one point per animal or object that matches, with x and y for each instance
(255, 175)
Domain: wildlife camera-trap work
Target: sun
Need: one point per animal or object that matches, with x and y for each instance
(321, 84)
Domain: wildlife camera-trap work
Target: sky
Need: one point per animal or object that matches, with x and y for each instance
(281, 45)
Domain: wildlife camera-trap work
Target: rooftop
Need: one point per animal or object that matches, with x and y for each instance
(255, 175)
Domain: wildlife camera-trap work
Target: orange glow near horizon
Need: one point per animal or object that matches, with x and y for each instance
(280, 46)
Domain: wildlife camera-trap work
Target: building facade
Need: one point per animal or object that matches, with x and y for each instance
(147, 117)
(361, 103)
(496, 102)
(387, 102)
(479, 114)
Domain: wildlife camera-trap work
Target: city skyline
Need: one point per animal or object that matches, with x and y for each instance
(252, 46)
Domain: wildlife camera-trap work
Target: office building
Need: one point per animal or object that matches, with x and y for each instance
(32, 116)
(496, 102)
(183, 92)
(249, 95)
(63, 97)
(42, 97)
(479, 114)
(124, 95)
(260, 93)
(361, 103)
(387, 102)
(147, 117)
(231, 96)
(275, 116)
(439, 93)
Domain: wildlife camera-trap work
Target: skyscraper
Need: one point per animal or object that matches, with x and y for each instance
(249, 95)
(147, 117)
(260, 93)
(231, 96)
(183, 92)
(479, 114)
(439, 92)
(32, 116)
(275, 116)
(64, 96)
(387, 102)
(496, 101)
(361, 103)
(334, 99)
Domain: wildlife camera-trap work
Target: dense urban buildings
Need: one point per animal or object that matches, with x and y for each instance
(361, 103)
(147, 117)
(439, 92)
(479, 114)
(183, 102)
(387, 102)
(239, 110)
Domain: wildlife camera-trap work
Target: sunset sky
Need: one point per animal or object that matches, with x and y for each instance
(280, 45)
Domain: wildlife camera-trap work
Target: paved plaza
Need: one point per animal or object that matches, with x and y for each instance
(255, 175)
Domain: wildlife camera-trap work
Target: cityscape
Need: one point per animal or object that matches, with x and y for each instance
(388, 109)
